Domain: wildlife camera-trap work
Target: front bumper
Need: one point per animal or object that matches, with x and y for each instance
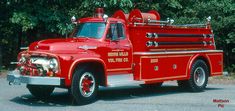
(15, 78)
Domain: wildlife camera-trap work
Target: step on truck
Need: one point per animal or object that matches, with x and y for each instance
(125, 49)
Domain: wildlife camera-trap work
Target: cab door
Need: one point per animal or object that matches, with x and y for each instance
(119, 53)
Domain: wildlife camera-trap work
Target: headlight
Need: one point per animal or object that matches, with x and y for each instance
(53, 64)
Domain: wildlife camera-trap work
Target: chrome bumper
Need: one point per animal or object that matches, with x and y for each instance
(15, 78)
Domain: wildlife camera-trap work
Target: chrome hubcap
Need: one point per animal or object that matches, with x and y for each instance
(199, 76)
(87, 84)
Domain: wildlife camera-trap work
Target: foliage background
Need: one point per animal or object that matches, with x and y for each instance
(25, 21)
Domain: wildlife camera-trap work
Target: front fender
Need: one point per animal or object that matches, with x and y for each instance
(83, 60)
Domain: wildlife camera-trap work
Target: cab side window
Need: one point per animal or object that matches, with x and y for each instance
(116, 31)
(121, 31)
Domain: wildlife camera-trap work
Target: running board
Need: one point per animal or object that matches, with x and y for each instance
(122, 80)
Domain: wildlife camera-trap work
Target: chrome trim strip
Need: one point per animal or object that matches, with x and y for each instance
(182, 35)
(24, 48)
(14, 62)
(176, 52)
(15, 78)
(119, 69)
(122, 80)
(180, 43)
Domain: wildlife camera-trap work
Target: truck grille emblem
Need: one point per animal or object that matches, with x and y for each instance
(86, 47)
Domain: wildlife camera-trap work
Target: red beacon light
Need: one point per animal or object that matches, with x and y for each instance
(99, 12)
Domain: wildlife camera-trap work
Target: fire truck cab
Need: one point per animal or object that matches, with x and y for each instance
(125, 49)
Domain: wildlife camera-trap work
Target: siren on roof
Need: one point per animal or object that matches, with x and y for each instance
(99, 12)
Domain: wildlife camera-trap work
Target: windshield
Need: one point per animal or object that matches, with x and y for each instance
(90, 30)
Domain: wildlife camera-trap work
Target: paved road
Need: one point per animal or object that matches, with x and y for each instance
(134, 98)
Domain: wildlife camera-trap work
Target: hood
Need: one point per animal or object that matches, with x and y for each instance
(70, 45)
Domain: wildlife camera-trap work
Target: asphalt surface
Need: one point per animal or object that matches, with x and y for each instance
(131, 98)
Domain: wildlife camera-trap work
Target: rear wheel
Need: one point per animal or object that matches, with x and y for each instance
(84, 86)
(198, 77)
(40, 91)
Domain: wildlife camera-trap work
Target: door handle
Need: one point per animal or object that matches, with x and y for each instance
(126, 45)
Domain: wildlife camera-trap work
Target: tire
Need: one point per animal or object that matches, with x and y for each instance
(152, 86)
(84, 86)
(198, 77)
(40, 91)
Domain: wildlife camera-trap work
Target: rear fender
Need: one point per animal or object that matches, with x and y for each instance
(196, 57)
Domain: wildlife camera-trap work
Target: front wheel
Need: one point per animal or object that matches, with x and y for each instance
(84, 86)
(40, 91)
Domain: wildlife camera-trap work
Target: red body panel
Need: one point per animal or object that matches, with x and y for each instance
(216, 63)
(163, 68)
(159, 67)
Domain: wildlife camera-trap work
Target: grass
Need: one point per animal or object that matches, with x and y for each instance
(233, 75)
(224, 77)
(230, 76)
(3, 73)
(230, 79)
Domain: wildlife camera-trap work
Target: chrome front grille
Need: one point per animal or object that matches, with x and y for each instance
(40, 62)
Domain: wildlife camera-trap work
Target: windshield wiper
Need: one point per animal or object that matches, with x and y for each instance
(82, 37)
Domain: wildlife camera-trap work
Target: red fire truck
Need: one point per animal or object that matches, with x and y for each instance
(125, 49)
